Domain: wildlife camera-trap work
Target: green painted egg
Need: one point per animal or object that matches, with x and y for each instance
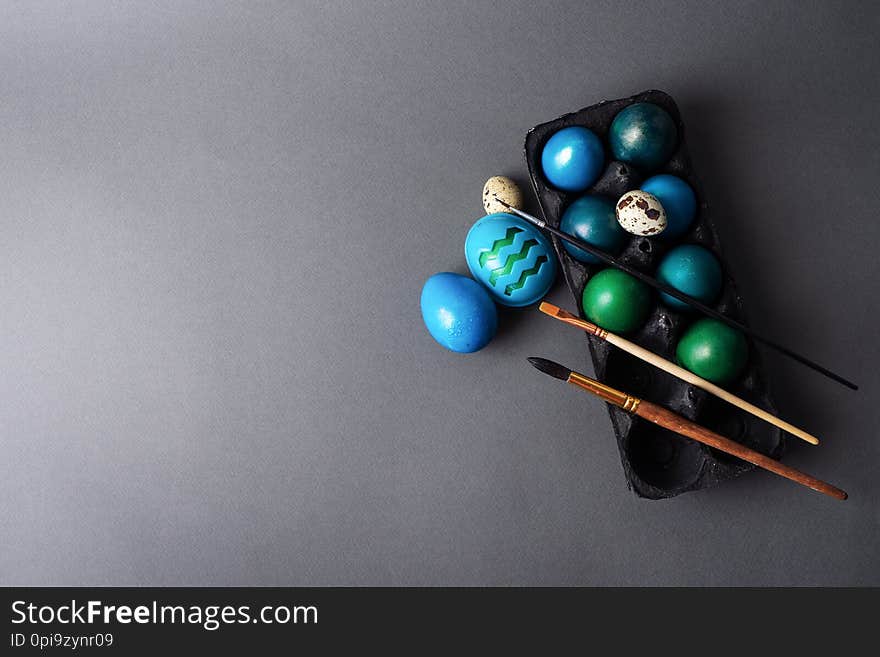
(616, 301)
(713, 350)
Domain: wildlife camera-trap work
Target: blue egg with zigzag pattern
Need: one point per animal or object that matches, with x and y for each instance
(511, 258)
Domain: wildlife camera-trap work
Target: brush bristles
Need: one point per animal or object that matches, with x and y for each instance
(555, 311)
(549, 367)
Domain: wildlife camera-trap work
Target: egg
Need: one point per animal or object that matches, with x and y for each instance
(573, 158)
(503, 188)
(713, 350)
(616, 301)
(677, 198)
(643, 134)
(511, 258)
(693, 270)
(641, 213)
(592, 218)
(458, 312)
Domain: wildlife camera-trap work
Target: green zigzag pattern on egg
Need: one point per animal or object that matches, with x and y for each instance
(497, 245)
(514, 266)
(514, 258)
(510, 289)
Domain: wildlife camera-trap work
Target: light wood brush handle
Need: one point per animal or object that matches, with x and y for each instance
(708, 386)
(675, 370)
(674, 422)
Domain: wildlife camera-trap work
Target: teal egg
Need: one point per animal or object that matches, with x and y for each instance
(677, 198)
(592, 218)
(693, 270)
(643, 134)
(511, 258)
(458, 312)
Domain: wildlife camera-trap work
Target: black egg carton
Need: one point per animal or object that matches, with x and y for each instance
(658, 463)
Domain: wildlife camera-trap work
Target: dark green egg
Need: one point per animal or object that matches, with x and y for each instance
(616, 301)
(713, 350)
(643, 134)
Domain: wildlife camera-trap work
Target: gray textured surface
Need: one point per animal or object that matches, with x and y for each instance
(216, 223)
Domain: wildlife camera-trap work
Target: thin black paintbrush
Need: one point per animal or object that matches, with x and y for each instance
(711, 312)
(681, 425)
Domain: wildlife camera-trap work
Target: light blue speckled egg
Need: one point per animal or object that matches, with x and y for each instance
(458, 312)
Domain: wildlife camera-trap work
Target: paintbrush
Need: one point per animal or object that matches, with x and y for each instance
(673, 369)
(681, 425)
(694, 303)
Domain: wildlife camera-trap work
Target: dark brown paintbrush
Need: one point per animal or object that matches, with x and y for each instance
(657, 285)
(680, 425)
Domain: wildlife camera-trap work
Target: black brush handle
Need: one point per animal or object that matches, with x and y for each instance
(681, 296)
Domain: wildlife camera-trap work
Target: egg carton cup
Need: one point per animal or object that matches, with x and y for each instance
(658, 463)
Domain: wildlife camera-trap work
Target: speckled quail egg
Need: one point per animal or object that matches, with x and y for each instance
(641, 213)
(503, 188)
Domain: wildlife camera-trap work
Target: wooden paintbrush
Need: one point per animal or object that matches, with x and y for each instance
(673, 369)
(671, 291)
(681, 425)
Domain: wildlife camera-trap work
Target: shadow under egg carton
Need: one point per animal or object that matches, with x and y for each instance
(658, 463)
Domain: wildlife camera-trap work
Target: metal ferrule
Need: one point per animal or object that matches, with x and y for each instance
(529, 217)
(589, 327)
(609, 394)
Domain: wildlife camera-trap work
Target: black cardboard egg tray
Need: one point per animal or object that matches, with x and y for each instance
(658, 463)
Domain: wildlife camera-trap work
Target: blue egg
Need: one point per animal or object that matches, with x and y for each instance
(573, 158)
(592, 218)
(691, 269)
(511, 258)
(458, 312)
(677, 198)
(643, 134)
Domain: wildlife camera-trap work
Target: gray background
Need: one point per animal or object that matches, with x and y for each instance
(216, 221)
